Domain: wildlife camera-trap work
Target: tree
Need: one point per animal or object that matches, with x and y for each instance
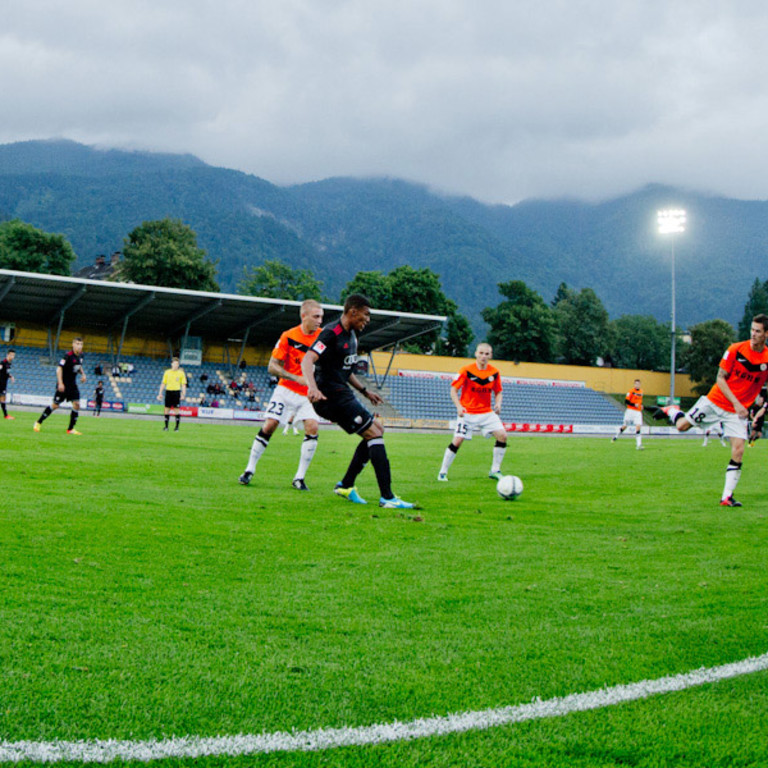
(641, 342)
(522, 327)
(165, 253)
(757, 303)
(708, 342)
(583, 329)
(29, 249)
(458, 336)
(406, 289)
(375, 285)
(276, 280)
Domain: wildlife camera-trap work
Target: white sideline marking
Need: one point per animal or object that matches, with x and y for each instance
(329, 738)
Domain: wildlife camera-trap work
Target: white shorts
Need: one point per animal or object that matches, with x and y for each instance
(633, 417)
(706, 414)
(286, 403)
(487, 423)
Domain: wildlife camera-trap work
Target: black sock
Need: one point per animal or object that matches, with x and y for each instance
(356, 466)
(178, 419)
(2, 405)
(45, 414)
(73, 419)
(167, 419)
(380, 462)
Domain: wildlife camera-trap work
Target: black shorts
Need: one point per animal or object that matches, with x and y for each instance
(70, 393)
(346, 411)
(172, 398)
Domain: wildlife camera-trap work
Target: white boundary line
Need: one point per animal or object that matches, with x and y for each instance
(329, 738)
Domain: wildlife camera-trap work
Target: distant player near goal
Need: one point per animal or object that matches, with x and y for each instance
(5, 374)
(289, 403)
(67, 371)
(742, 373)
(175, 385)
(478, 382)
(633, 414)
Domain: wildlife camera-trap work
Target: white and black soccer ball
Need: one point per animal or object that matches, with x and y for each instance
(509, 487)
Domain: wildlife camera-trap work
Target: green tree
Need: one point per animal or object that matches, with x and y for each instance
(708, 342)
(276, 280)
(757, 303)
(165, 253)
(522, 327)
(406, 289)
(584, 332)
(641, 342)
(375, 285)
(29, 249)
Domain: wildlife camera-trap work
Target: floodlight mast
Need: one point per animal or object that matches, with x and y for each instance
(671, 221)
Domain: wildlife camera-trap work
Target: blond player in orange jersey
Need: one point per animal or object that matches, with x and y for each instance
(289, 398)
(478, 382)
(742, 372)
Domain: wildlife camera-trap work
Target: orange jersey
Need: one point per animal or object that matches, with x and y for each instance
(476, 387)
(290, 350)
(634, 399)
(748, 371)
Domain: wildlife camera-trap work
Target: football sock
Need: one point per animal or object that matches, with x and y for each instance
(45, 414)
(448, 457)
(638, 439)
(2, 405)
(73, 419)
(359, 460)
(178, 420)
(498, 456)
(380, 461)
(732, 475)
(308, 448)
(260, 443)
(167, 419)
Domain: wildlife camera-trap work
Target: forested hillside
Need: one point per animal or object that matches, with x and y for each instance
(338, 227)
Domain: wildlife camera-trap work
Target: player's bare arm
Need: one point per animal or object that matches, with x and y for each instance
(722, 382)
(355, 383)
(308, 371)
(457, 402)
(276, 367)
(60, 379)
(497, 403)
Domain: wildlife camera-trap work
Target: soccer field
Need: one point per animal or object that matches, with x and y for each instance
(147, 595)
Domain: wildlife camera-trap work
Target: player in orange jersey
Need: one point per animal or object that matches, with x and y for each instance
(633, 414)
(478, 382)
(289, 398)
(742, 372)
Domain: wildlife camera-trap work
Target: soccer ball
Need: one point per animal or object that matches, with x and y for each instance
(509, 487)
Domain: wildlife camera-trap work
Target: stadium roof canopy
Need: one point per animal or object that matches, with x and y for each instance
(113, 308)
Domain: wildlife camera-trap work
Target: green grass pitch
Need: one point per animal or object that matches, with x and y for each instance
(146, 594)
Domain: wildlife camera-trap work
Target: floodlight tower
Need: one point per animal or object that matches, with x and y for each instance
(672, 222)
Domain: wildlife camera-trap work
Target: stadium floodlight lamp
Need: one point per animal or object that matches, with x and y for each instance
(672, 221)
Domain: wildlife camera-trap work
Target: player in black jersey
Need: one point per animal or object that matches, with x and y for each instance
(328, 369)
(5, 374)
(67, 371)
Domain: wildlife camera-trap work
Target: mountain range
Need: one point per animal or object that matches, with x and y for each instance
(339, 226)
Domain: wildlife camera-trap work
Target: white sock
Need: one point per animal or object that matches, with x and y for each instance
(257, 449)
(639, 439)
(498, 457)
(448, 458)
(308, 448)
(732, 476)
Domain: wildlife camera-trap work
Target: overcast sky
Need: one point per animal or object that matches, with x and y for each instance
(497, 99)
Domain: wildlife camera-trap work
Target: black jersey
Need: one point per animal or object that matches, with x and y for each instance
(337, 354)
(5, 372)
(71, 366)
(98, 393)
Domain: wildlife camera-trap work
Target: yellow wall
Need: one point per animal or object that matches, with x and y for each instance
(610, 380)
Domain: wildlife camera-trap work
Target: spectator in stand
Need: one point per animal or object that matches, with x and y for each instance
(98, 370)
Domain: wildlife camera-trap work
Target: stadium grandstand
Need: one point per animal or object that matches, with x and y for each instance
(225, 341)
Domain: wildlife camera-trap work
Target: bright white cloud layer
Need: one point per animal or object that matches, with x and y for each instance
(497, 100)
